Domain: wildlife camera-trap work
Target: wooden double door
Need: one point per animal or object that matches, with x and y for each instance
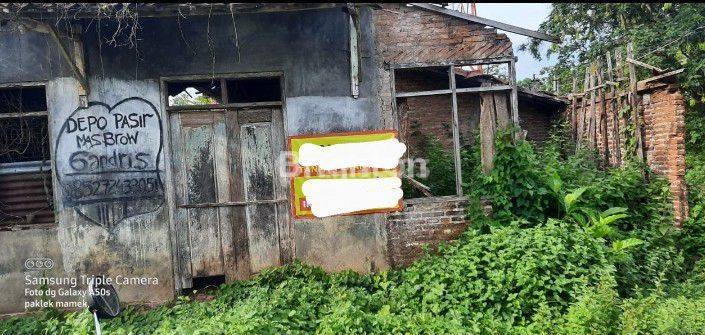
(232, 215)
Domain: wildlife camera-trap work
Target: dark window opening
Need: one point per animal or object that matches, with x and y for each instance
(26, 197)
(24, 139)
(195, 93)
(23, 99)
(209, 282)
(247, 90)
(421, 79)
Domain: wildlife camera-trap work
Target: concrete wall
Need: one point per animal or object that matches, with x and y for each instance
(29, 57)
(125, 232)
(18, 246)
(123, 235)
(102, 235)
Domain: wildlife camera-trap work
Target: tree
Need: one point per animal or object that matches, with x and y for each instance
(665, 35)
(668, 35)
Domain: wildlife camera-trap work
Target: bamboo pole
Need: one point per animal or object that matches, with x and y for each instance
(634, 102)
(593, 107)
(613, 107)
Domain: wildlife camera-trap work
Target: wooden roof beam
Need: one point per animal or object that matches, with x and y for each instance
(492, 23)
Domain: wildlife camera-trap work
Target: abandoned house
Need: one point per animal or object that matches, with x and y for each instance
(424, 115)
(143, 141)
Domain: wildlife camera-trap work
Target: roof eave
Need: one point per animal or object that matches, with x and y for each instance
(492, 23)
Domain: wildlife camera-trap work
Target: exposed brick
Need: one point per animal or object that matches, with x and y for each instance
(663, 112)
(437, 224)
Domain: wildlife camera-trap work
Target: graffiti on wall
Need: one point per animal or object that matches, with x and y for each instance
(107, 160)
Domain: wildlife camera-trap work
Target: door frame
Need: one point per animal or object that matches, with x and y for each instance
(181, 278)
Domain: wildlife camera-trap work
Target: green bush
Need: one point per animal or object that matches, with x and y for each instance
(596, 312)
(547, 263)
(505, 276)
(657, 315)
(482, 281)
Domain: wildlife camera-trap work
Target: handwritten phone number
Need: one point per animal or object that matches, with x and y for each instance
(80, 189)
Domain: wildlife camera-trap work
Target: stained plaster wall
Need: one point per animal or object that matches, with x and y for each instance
(310, 49)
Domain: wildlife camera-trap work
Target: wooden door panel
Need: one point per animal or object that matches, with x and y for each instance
(223, 165)
(182, 246)
(203, 223)
(258, 183)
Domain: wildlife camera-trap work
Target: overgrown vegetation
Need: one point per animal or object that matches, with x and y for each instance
(572, 249)
(666, 35)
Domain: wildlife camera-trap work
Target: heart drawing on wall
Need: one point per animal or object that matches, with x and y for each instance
(107, 161)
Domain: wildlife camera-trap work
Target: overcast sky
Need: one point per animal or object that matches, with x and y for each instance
(525, 15)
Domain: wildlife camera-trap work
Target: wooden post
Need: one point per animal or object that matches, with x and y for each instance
(502, 116)
(620, 102)
(634, 102)
(593, 106)
(514, 98)
(78, 56)
(555, 86)
(354, 54)
(614, 109)
(602, 117)
(76, 63)
(456, 133)
(582, 113)
(395, 108)
(487, 131)
(574, 105)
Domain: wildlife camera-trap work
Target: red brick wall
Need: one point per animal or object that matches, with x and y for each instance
(403, 35)
(424, 221)
(663, 111)
(432, 115)
(406, 34)
(410, 34)
(536, 120)
(664, 122)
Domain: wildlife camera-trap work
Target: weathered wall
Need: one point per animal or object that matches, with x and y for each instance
(113, 235)
(102, 235)
(28, 57)
(120, 228)
(536, 120)
(18, 246)
(663, 114)
(410, 35)
(664, 122)
(424, 221)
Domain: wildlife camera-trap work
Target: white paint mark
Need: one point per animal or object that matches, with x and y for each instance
(382, 154)
(340, 196)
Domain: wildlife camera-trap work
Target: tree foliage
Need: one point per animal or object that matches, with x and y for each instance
(670, 36)
(666, 35)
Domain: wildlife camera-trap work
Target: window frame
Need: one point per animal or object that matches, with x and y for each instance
(453, 91)
(223, 78)
(26, 167)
